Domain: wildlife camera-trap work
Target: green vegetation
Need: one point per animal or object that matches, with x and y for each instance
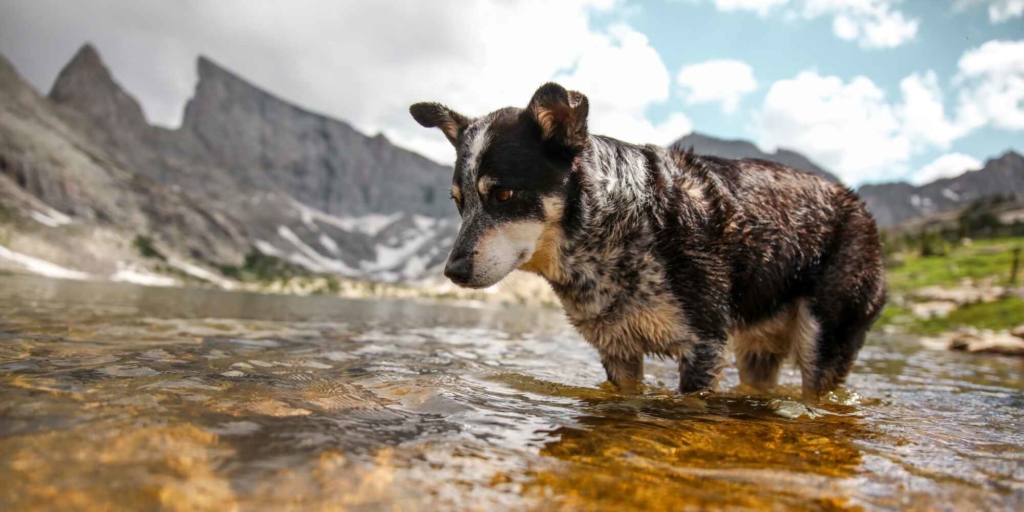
(144, 245)
(931, 259)
(6, 214)
(1005, 313)
(264, 268)
(983, 259)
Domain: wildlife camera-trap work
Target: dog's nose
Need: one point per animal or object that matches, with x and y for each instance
(459, 270)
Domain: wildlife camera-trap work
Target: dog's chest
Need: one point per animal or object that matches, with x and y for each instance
(622, 304)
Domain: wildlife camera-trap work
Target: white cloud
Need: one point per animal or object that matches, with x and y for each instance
(761, 7)
(872, 23)
(854, 130)
(622, 75)
(991, 78)
(998, 10)
(717, 81)
(924, 117)
(946, 166)
(331, 57)
(850, 128)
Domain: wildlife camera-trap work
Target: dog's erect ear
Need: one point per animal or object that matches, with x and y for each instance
(436, 115)
(561, 114)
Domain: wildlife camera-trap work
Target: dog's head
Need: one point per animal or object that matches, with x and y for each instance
(511, 182)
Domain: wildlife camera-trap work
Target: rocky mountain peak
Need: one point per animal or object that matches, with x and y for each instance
(86, 84)
(893, 203)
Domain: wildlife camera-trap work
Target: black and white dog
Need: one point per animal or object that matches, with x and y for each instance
(665, 252)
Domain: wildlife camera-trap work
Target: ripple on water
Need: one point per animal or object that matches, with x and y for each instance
(208, 400)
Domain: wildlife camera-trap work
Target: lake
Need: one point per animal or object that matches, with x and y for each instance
(124, 397)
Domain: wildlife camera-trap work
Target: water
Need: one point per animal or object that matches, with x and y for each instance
(123, 397)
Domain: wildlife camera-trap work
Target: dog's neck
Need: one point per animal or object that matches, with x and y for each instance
(612, 211)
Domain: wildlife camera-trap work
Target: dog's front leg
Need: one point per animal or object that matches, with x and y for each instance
(701, 364)
(625, 372)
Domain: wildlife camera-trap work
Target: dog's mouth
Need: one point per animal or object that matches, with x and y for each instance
(477, 283)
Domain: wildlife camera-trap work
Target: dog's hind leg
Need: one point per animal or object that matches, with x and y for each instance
(760, 348)
(759, 369)
(849, 296)
(836, 352)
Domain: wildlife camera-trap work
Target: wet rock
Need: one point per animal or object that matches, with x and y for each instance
(933, 309)
(1018, 331)
(975, 342)
(958, 295)
(793, 410)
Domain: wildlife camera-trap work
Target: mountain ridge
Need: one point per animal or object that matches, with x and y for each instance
(893, 203)
(738, 148)
(247, 170)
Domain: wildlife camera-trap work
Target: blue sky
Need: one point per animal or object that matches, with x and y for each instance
(778, 47)
(873, 90)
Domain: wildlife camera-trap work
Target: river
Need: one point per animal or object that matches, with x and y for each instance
(123, 397)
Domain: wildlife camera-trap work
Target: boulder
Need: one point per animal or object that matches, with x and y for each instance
(987, 342)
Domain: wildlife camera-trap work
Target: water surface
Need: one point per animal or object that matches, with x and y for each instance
(115, 396)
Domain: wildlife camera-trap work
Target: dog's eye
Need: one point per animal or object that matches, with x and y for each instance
(502, 194)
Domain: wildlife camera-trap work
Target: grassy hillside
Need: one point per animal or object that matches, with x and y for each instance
(982, 266)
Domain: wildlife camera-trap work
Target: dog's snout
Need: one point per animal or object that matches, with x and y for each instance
(459, 270)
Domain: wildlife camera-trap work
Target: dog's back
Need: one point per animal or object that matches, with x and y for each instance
(804, 262)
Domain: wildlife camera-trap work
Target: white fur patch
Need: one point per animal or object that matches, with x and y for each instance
(503, 249)
(476, 149)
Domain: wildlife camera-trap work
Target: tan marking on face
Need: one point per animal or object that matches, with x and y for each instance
(502, 249)
(547, 256)
(485, 184)
(457, 194)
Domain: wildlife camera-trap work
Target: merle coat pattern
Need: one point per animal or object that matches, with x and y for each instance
(664, 252)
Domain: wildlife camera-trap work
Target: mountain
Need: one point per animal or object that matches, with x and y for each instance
(70, 200)
(707, 145)
(248, 171)
(893, 203)
(88, 187)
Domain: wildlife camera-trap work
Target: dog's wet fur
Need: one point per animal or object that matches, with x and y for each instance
(665, 252)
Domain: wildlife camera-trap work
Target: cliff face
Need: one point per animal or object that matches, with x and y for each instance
(245, 170)
(62, 182)
(264, 142)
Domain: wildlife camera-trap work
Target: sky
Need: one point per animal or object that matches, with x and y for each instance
(873, 90)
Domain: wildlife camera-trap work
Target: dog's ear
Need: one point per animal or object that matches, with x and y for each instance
(436, 115)
(561, 115)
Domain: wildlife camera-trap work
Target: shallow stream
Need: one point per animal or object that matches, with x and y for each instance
(115, 396)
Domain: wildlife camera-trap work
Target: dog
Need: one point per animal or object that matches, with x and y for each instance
(664, 252)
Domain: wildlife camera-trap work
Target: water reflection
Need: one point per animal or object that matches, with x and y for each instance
(124, 397)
